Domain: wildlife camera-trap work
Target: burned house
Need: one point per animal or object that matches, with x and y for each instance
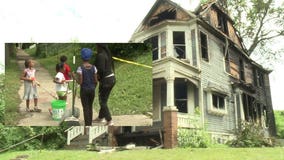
(202, 75)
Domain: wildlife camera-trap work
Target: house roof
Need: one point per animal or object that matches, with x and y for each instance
(198, 14)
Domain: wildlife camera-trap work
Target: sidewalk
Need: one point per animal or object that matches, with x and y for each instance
(44, 102)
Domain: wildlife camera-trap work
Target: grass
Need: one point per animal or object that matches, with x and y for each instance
(12, 98)
(279, 119)
(158, 154)
(132, 93)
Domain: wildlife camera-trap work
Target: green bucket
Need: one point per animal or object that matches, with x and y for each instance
(58, 109)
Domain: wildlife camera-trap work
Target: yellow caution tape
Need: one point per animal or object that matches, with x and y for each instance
(130, 62)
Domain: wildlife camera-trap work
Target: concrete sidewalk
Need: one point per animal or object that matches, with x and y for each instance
(44, 102)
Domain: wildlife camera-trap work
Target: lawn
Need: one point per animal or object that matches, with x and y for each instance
(159, 154)
(12, 98)
(279, 118)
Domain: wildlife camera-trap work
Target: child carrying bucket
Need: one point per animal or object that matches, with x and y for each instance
(30, 85)
(61, 84)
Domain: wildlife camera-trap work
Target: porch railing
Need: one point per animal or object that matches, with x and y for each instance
(188, 121)
(96, 131)
(74, 132)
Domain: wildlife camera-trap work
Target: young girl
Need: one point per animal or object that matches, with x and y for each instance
(59, 79)
(30, 86)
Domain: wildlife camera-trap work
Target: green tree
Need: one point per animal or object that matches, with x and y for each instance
(260, 24)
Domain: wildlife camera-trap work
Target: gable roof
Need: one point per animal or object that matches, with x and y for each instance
(156, 6)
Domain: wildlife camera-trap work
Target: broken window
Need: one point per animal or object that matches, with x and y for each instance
(258, 78)
(168, 14)
(204, 46)
(227, 59)
(242, 70)
(222, 23)
(179, 44)
(218, 101)
(250, 108)
(153, 41)
(163, 45)
(181, 95)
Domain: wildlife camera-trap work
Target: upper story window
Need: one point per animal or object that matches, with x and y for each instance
(204, 46)
(227, 59)
(258, 78)
(222, 23)
(242, 70)
(179, 44)
(153, 41)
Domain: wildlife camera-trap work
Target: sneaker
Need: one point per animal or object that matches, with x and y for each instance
(99, 120)
(109, 123)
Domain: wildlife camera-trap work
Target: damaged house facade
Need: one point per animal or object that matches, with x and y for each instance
(202, 75)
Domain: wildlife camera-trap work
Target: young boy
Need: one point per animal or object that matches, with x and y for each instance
(87, 78)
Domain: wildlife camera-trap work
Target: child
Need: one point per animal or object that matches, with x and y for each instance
(30, 86)
(59, 79)
(67, 68)
(87, 78)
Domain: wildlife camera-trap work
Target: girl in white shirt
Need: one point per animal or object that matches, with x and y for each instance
(61, 85)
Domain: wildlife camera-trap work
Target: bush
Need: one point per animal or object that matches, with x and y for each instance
(2, 101)
(194, 138)
(250, 135)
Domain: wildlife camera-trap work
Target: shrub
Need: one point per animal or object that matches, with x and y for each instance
(250, 135)
(2, 101)
(195, 138)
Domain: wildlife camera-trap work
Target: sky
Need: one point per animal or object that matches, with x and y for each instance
(88, 21)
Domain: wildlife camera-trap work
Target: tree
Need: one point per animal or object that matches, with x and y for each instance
(260, 24)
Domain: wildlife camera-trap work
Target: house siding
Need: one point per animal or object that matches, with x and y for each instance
(214, 72)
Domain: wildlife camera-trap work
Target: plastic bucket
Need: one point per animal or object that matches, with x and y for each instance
(58, 109)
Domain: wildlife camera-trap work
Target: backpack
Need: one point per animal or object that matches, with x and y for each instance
(88, 78)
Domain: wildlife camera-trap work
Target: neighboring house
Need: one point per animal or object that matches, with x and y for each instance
(200, 66)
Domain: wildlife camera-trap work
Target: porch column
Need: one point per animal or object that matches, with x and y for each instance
(170, 92)
(170, 117)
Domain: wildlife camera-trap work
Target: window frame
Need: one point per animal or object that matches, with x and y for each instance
(177, 45)
(204, 47)
(216, 110)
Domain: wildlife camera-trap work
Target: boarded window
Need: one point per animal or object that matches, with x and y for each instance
(179, 44)
(218, 101)
(204, 46)
(227, 59)
(181, 95)
(242, 70)
(153, 41)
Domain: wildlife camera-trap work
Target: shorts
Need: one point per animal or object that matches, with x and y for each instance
(61, 93)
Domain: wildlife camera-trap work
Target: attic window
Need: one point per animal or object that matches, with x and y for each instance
(168, 14)
(222, 23)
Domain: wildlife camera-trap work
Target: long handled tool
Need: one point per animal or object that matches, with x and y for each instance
(72, 120)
